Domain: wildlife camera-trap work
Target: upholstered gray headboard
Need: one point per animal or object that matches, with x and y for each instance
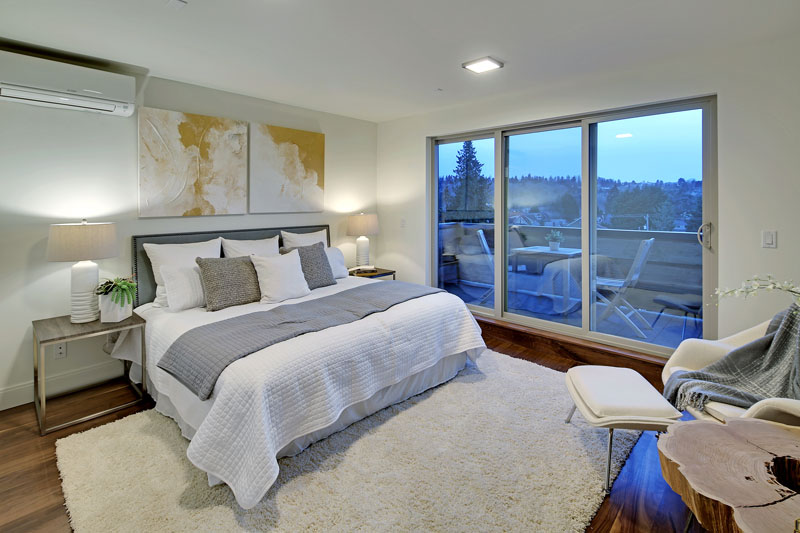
(146, 290)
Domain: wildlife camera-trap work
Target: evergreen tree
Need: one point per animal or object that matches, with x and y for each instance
(472, 191)
(694, 214)
(631, 208)
(447, 194)
(570, 206)
(664, 217)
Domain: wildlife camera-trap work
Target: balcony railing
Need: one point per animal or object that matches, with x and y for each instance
(673, 267)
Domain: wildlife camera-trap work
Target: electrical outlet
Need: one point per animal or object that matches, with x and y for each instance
(60, 351)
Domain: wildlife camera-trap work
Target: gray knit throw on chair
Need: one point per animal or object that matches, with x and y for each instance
(768, 367)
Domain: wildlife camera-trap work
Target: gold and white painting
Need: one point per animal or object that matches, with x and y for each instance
(287, 170)
(191, 165)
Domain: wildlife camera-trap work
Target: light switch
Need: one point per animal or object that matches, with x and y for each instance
(769, 239)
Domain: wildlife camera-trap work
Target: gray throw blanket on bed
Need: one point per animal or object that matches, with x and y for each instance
(768, 367)
(198, 357)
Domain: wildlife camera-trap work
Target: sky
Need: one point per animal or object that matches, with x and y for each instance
(656, 147)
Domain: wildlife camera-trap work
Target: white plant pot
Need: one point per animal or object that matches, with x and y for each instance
(113, 312)
(554, 246)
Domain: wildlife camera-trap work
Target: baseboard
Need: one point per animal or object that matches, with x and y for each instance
(61, 382)
(572, 350)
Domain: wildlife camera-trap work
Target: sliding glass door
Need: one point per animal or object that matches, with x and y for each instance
(465, 219)
(543, 216)
(605, 224)
(647, 268)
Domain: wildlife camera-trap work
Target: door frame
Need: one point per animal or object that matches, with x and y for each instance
(710, 208)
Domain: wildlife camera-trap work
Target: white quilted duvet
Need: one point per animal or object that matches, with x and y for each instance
(269, 398)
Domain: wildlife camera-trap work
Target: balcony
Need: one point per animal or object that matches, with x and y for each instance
(661, 301)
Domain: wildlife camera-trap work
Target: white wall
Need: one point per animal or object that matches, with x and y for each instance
(759, 181)
(60, 166)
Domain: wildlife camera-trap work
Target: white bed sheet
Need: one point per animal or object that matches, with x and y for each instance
(260, 409)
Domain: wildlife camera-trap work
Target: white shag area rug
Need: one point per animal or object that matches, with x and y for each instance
(487, 451)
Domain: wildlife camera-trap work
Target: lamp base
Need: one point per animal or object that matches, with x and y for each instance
(362, 251)
(84, 307)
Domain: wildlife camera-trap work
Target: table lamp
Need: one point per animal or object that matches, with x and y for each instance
(360, 226)
(83, 242)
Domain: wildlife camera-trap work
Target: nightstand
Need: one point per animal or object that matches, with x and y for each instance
(381, 272)
(59, 329)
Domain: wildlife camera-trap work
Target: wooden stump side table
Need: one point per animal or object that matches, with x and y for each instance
(743, 476)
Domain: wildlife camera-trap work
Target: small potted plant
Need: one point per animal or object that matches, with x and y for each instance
(554, 239)
(116, 299)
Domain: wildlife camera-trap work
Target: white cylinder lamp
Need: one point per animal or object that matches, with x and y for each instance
(361, 226)
(83, 242)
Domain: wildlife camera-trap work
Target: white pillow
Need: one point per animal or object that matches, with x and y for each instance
(161, 297)
(183, 286)
(177, 255)
(336, 259)
(280, 277)
(260, 247)
(295, 240)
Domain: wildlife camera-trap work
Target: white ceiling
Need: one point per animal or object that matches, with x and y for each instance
(379, 59)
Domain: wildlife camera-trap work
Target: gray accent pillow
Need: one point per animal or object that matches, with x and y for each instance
(316, 267)
(228, 281)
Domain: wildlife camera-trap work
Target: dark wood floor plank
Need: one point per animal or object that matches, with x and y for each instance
(30, 487)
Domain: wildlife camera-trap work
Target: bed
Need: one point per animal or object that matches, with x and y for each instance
(280, 399)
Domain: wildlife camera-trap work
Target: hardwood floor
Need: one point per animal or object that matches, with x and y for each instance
(30, 488)
(563, 351)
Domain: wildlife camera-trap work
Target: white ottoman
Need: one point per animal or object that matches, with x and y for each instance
(612, 397)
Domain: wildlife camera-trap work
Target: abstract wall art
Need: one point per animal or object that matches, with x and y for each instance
(191, 165)
(287, 170)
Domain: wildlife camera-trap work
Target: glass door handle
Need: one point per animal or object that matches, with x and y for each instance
(701, 235)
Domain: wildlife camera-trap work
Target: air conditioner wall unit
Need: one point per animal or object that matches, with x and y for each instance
(36, 81)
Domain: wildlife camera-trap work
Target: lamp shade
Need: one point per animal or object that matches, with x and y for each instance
(362, 224)
(82, 241)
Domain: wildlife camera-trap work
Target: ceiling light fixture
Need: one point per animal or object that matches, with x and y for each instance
(624, 135)
(484, 64)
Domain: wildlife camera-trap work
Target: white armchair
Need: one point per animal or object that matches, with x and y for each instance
(694, 354)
